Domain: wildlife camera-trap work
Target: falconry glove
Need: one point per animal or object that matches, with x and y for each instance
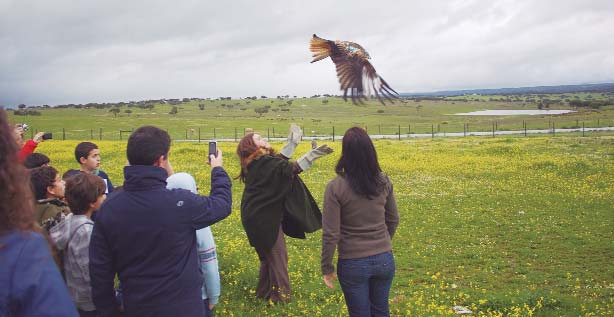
(294, 138)
(306, 160)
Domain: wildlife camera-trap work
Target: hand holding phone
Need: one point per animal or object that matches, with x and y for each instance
(212, 148)
(215, 155)
(47, 136)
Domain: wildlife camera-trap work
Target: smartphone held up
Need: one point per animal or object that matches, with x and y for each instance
(212, 149)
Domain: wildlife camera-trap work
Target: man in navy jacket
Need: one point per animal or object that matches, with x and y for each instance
(147, 234)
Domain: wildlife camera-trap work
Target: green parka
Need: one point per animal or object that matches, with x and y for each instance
(274, 194)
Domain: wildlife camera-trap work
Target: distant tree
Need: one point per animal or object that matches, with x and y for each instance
(261, 110)
(21, 106)
(289, 102)
(26, 112)
(324, 101)
(114, 111)
(128, 111)
(201, 106)
(173, 111)
(380, 111)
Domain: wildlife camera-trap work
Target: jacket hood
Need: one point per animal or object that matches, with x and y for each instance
(60, 234)
(182, 180)
(144, 178)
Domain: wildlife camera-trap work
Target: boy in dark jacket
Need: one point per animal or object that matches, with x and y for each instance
(88, 156)
(147, 234)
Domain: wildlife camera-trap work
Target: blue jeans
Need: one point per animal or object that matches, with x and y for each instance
(366, 283)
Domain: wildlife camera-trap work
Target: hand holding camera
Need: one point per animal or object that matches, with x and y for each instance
(42, 136)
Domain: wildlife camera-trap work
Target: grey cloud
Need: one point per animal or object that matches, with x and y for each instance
(81, 51)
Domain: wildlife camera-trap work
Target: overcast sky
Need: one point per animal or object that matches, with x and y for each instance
(60, 51)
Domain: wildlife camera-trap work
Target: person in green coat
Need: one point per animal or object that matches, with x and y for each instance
(276, 201)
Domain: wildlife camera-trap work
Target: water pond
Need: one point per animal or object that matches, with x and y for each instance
(513, 112)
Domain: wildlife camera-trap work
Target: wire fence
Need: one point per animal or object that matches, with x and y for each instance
(333, 132)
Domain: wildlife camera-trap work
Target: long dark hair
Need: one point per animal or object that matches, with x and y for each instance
(17, 207)
(358, 163)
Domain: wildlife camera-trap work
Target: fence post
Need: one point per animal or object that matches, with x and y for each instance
(120, 134)
(582, 128)
(399, 132)
(432, 131)
(186, 134)
(214, 134)
(408, 130)
(493, 129)
(235, 134)
(380, 129)
(333, 133)
(63, 134)
(553, 129)
(525, 128)
(100, 134)
(92, 134)
(598, 125)
(268, 135)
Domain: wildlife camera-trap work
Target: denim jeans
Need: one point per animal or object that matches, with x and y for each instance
(366, 283)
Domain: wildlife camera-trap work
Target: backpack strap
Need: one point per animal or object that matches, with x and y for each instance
(75, 232)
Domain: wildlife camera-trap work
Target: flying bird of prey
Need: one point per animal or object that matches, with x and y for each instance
(355, 73)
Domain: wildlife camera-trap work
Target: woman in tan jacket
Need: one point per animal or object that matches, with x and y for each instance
(359, 220)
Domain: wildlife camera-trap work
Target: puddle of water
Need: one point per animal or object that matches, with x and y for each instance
(512, 112)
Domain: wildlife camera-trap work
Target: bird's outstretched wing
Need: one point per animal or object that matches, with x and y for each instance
(356, 74)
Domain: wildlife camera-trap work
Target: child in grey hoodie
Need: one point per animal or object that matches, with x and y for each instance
(205, 247)
(84, 193)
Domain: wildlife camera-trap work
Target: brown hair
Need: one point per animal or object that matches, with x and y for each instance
(83, 149)
(82, 190)
(40, 179)
(17, 207)
(247, 150)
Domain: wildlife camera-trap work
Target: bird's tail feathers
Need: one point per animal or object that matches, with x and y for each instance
(320, 48)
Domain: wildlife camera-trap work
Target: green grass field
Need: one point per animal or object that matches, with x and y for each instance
(229, 118)
(505, 226)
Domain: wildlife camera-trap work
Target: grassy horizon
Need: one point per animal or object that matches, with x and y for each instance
(229, 118)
